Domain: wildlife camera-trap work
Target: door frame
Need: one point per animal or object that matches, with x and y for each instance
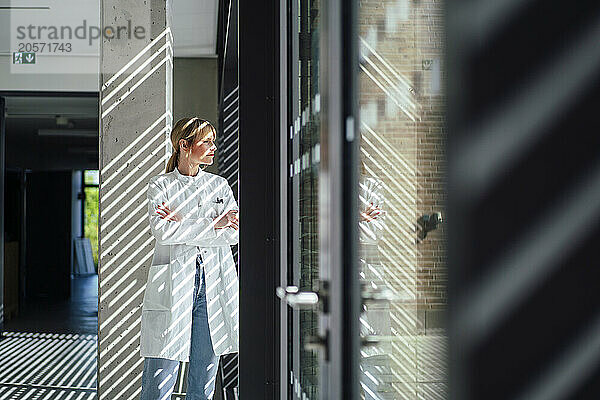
(2, 184)
(339, 191)
(259, 191)
(263, 246)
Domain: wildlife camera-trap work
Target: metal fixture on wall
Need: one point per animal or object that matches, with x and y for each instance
(428, 223)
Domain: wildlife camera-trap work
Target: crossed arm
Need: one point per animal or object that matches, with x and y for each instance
(171, 227)
(372, 216)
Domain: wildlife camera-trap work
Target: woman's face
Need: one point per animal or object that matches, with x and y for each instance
(202, 150)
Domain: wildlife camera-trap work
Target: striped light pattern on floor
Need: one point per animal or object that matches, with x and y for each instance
(47, 366)
(23, 392)
(432, 365)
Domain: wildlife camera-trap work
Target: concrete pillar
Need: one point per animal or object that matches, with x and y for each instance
(2, 184)
(136, 119)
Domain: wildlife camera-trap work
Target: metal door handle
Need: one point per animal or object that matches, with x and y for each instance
(296, 299)
(369, 340)
(373, 340)
(371, 295)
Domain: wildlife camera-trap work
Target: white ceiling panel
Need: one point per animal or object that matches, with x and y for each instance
(194, 28)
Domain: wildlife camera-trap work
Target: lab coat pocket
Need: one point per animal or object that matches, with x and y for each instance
(158, 288)
(154, 330)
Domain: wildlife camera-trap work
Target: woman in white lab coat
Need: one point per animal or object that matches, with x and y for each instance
(190, 307)
(375, 318)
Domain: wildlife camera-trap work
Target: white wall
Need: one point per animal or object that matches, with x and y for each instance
(195, 92)
(194, 29)
(38, 81)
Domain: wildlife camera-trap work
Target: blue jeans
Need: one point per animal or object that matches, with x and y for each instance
(158, 378)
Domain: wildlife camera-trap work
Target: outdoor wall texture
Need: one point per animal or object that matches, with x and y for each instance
(431, 162)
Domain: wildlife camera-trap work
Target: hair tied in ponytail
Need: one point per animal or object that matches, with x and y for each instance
(187, 129)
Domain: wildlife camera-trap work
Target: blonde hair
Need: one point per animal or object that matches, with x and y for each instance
(187, 128)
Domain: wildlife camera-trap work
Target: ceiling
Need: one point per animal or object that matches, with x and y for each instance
(25, 115)
(194, 27)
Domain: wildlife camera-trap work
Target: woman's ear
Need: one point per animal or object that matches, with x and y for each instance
(183, 144)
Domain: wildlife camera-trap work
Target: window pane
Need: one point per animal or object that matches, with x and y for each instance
(91, 177)
(91, 219)
(402, 246)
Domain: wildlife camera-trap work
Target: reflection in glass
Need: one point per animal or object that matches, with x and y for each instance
(91, 203)
(306, 144)
(401, 125)
(375, 321)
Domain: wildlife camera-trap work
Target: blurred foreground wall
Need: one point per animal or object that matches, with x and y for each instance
(524, 196)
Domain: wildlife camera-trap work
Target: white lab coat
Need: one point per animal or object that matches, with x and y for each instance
(375, 319)
(168, 299)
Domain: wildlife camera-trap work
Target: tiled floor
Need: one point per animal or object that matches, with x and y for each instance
(432, 381)
(416, 369)
(10, 393)
(49, 350)
(76, 315)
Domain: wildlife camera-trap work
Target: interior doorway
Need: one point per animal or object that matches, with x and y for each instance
(50, 278)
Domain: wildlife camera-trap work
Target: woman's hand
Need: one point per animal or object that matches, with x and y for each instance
(371, 213)
(166, 213)
(228, 219)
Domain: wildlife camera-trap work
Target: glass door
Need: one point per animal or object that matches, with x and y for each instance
(365, 269)
(303, 155)
(322, 279)
(401, 197)
(304, 142)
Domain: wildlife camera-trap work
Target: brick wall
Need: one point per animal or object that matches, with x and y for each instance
(402, 110)
(431, 163)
